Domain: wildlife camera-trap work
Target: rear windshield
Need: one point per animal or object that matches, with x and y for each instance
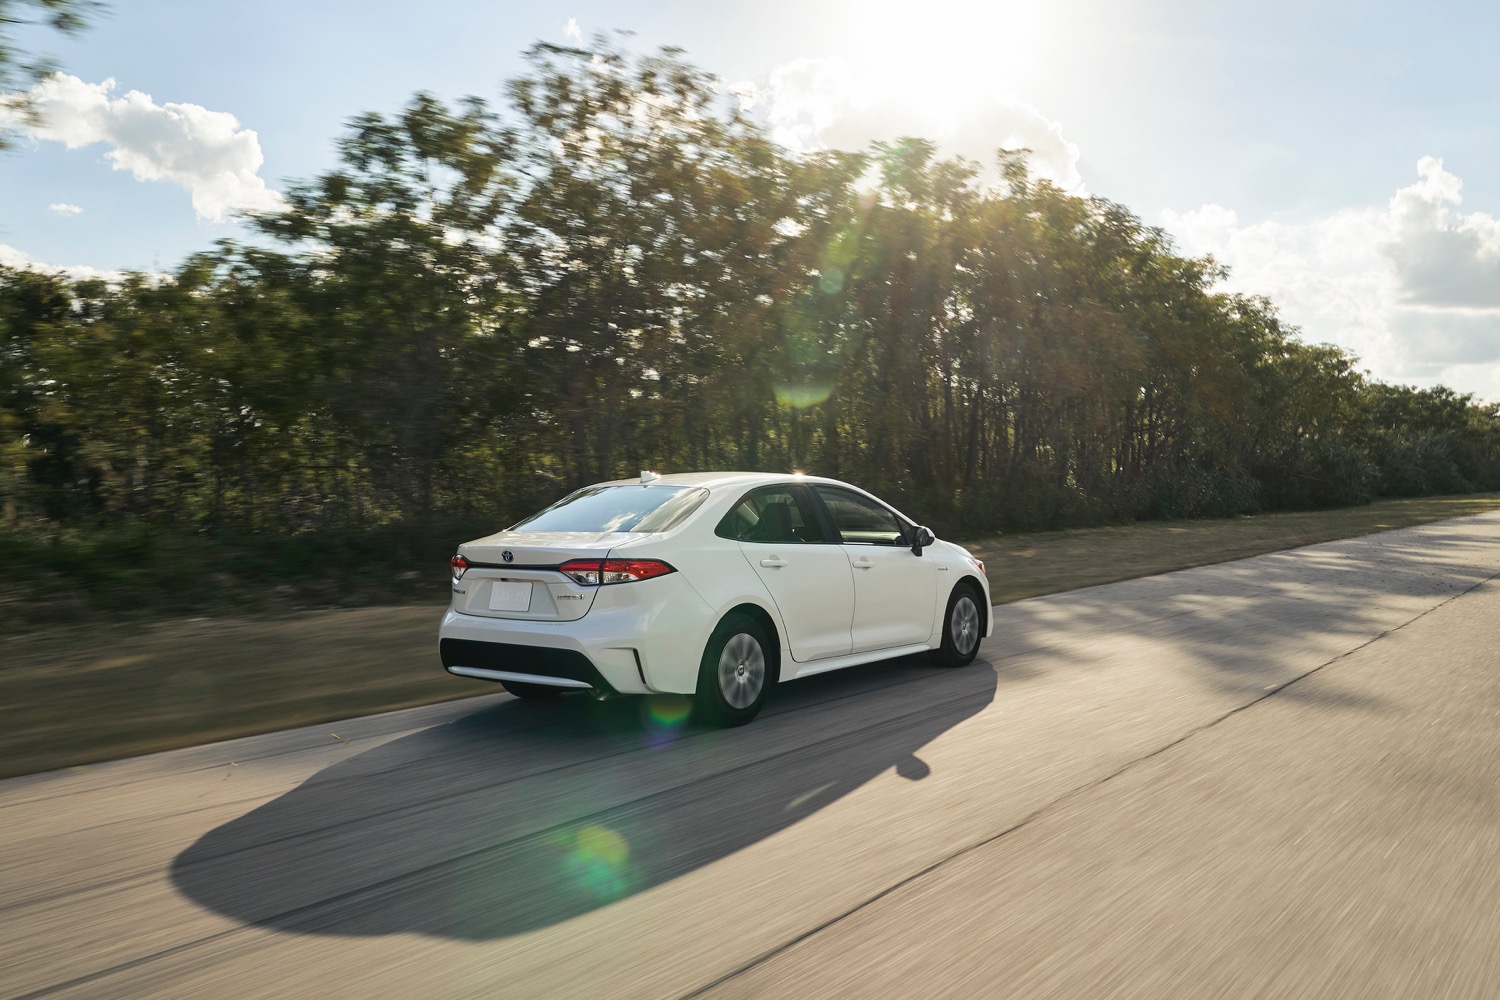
(617, 508)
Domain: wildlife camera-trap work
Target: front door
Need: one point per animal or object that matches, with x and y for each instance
(894, 588)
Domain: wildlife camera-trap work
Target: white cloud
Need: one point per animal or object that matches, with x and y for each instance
(205, 151)
(21, 261)
(63, 208)
(1412, 288)
(1443, 257)
(572, 30)
(824, 104)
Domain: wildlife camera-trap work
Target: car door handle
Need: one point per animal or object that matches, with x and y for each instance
(773, 562)
(864, 563)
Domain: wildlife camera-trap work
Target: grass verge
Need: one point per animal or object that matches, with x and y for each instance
(96, 691)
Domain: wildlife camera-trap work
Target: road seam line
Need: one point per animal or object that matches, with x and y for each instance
(1062, 799)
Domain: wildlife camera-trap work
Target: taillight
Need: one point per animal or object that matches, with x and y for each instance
(631, 570)
(594, 572)
(459, 565)
(584, 571)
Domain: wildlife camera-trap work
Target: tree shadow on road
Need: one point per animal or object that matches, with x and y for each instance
(523, 815)
(1253, 625)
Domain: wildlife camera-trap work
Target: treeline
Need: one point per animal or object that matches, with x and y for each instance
(475, 313)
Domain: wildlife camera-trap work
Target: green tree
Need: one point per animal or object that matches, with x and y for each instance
(407, 306)
(34, 449)
(654, 244)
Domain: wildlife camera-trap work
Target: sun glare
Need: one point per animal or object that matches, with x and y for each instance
(948, 51)
(954, 71)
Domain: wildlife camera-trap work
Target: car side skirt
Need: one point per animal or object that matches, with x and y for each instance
(856, 659)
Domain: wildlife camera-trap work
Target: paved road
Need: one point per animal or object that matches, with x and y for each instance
(1276, 777)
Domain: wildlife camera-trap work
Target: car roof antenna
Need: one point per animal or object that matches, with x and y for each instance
(649, 477)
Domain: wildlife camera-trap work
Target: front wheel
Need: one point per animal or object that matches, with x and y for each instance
(736, 672)
(963, 625)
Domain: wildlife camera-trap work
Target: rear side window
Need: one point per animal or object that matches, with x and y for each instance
(772, 514)
(617, 508)
(859, 519)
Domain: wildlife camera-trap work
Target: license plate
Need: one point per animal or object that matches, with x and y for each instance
(510, 597)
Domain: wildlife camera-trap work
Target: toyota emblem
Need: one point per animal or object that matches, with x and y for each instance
(508, 555)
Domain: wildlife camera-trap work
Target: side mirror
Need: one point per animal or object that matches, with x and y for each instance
(921, 538)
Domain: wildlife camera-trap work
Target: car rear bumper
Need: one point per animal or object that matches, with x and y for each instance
(503, 661)
(552, 657)
(637, 638)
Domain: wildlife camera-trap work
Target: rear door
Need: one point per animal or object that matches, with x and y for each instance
(894, 589)
(805, 570)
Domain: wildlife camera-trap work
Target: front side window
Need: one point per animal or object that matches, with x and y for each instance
(772, 514)
(859, 519)
(617, 508)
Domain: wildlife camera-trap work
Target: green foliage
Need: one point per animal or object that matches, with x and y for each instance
(1432, 441)
(475, 312)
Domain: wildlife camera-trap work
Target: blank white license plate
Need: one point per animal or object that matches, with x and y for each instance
(510, 597)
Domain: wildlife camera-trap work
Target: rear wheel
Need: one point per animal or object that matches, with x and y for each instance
(735, 675)
(536, 692)
(963, 626)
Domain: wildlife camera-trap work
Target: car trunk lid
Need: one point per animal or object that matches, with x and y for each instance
(516, 574)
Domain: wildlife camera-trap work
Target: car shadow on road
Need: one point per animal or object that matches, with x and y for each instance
(522, 815)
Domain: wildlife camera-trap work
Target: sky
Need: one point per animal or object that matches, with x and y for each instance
(1339, 157)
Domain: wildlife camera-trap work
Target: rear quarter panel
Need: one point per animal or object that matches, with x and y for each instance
(717, 572)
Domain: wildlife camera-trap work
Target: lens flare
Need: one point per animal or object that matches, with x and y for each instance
(667, 712)
(664, 716)
(800, 397)
(599, 862)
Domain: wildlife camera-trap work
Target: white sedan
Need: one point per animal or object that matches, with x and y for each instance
(715, 585)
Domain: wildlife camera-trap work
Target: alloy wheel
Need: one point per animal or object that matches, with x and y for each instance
(963, 625)
(742, 670)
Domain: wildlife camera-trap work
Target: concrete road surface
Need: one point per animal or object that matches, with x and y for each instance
(1278, 777)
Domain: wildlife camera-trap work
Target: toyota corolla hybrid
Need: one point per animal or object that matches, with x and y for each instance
(714, 585)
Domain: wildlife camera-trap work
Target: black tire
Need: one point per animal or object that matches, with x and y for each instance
(736, 673)
(963, 627)
(533, 692)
